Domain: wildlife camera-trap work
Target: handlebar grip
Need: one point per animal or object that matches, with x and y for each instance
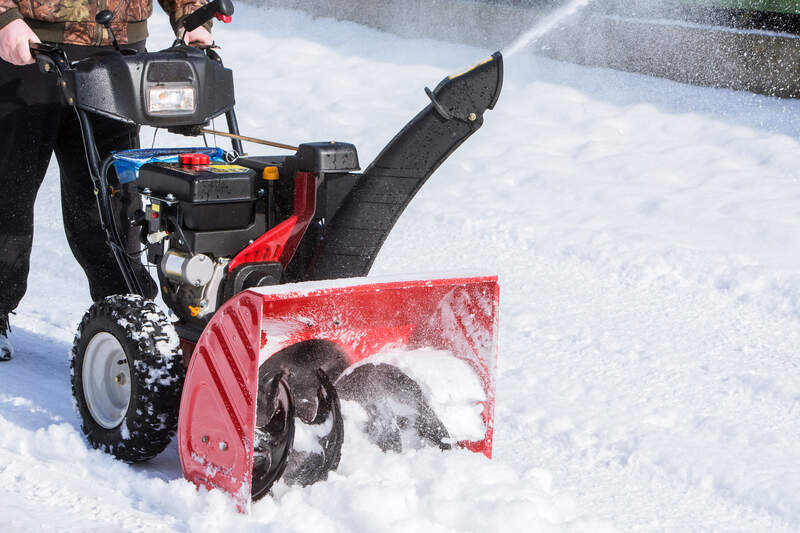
(40, 47)
(222, 9)
(46, 56)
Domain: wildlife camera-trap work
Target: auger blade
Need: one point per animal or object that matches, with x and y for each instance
(274, 434)
(324, 438)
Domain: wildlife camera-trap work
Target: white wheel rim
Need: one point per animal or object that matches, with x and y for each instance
(106, 380)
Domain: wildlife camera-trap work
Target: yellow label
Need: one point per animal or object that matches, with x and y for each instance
(222, 169)
(155, 207)
(470, 69)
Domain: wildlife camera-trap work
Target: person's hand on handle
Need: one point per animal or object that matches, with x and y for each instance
(15, 40)
(199, 37)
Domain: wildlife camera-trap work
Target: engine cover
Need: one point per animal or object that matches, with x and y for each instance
(212, 197)
(199, 184)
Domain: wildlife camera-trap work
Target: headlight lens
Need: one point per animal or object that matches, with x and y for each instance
(171, 100)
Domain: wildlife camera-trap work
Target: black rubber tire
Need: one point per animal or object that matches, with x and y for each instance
(154, 359)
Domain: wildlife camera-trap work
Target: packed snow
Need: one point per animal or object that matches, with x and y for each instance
(646, 235)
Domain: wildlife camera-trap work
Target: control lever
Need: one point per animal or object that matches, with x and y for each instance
(222, 10)
(104, 18)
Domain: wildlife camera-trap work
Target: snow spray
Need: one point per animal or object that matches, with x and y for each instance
(545, 25)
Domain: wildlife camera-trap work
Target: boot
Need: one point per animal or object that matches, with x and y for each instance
(6, 349)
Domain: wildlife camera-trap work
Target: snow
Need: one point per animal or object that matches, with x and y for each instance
(306, 436)
(646, 235)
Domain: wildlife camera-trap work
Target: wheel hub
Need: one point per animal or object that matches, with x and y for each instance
(106, 380)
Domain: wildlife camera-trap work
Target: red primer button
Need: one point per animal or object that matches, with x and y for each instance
(193, 160)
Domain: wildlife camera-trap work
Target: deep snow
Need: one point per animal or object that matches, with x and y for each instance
(646, 234)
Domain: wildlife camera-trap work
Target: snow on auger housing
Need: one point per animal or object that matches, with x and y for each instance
(243, 246)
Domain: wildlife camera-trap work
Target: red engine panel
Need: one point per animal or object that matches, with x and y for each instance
(280, 243)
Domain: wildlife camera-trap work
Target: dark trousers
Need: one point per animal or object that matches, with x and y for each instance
(33, 125)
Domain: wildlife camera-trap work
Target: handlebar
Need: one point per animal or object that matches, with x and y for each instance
(36, 48)
(49, 57)
(220, 9)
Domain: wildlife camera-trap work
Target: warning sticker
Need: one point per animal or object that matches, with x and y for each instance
(224, 169)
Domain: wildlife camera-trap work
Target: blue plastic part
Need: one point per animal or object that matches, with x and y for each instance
(128, 162)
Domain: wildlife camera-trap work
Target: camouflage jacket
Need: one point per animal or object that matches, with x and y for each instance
(72, 21)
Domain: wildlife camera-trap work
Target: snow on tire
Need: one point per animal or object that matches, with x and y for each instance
(127, 375)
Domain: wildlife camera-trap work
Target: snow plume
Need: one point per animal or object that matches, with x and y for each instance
(545, 26)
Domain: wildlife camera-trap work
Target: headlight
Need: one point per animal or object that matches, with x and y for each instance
(170, 100)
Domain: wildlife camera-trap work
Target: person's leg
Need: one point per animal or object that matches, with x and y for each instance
(86, 237)
(28, 125)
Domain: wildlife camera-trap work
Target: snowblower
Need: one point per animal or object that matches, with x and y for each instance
(262, 263)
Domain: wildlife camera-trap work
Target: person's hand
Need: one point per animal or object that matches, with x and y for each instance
(15, 40)
(199, 37)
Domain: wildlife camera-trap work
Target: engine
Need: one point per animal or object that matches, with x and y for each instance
(213, 229)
